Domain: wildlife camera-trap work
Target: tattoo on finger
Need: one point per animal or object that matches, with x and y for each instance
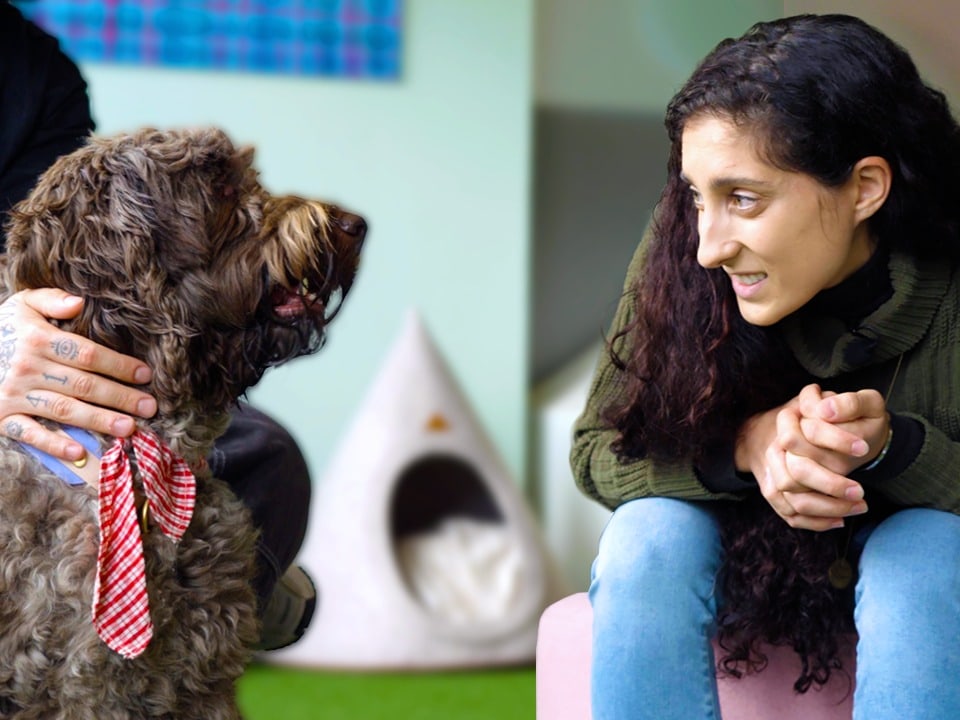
(66, 348)
(8, 346)
(62, 380)
(14, 430)
(37, 400)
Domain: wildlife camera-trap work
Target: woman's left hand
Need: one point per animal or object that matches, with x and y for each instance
(827, 435)
(808, 496)
(840, 432)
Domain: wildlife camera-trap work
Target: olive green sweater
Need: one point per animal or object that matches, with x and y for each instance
(920, 321)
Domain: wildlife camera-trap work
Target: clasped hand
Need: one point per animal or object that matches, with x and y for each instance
(802, 451)
(46, 372)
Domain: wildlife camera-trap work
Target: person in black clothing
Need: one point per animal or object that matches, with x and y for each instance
(45, 113)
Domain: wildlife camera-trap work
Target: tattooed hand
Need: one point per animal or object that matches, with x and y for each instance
(46, 372)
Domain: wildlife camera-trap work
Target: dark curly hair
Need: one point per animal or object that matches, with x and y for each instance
(818, 93)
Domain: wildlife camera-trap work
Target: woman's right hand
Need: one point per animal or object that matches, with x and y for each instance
(804, 492)
(46, 372)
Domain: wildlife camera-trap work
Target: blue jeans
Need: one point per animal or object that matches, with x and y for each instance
(655, 602)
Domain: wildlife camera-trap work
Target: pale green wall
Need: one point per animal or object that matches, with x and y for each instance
(438, 163)
(631, 55)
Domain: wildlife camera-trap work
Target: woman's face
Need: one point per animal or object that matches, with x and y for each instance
(780, 236)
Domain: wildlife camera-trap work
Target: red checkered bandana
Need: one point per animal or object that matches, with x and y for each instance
(121, 611)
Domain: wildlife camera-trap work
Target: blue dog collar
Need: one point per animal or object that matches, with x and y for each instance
(65, 469)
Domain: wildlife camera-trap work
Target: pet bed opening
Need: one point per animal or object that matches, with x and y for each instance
(458, 557)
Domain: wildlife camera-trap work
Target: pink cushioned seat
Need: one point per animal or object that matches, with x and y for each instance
(563, 676)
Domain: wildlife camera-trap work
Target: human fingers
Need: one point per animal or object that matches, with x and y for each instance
(806, 475)
(50, 302)
(774, 497)
(851, 406)
(818, 512)
(64, 394)
(825, 444)
(23, 404)
(27, 430)
(835, 438)
(816, 405)
(845, 446)
(809, 399)
(797, 474)
(23, 320)
(837, 445)
(78, 352)
(45, 367)
(814, 504)
(804, 510)
(64, 408)
(789, 434)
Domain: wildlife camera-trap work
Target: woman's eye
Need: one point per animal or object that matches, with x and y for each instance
(743, 202)
(697, 199)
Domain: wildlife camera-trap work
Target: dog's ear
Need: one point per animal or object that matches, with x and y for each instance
(133, 200)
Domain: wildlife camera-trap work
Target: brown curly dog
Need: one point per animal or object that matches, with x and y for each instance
(185, 261)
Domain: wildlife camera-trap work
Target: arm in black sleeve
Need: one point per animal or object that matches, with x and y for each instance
(719, 474)
(905, 444)
(44, 107)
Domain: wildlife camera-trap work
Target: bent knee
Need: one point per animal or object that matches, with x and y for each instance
(659, 537)
(908, 568)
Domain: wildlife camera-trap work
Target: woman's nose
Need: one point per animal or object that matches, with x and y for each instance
(716, 246)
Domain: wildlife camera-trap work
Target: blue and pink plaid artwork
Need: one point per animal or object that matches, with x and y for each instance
(352, 38)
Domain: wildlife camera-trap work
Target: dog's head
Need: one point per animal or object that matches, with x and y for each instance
(185, 261)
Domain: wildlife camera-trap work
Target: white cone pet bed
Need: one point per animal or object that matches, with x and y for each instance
(424, 552)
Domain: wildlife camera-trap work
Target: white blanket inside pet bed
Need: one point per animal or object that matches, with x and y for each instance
(465, 570)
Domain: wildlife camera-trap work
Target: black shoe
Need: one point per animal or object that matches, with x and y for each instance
(289, 610)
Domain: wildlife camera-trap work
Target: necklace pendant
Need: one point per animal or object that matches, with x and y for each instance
(840, 573)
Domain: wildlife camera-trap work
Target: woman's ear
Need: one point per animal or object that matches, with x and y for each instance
(872, 177)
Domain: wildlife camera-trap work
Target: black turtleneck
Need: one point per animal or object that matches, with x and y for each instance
(857, 296)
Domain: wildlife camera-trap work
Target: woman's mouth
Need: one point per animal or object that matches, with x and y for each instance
(746, 285)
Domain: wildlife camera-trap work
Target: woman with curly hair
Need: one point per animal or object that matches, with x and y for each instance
(777, 421)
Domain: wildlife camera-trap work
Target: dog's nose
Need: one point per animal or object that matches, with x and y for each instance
(352, 224)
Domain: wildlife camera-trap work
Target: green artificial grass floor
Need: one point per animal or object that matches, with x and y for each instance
(271, 693)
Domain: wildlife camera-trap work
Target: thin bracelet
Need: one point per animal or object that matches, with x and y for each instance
(883, 453)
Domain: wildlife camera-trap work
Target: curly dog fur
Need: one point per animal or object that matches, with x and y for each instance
(185, 261)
